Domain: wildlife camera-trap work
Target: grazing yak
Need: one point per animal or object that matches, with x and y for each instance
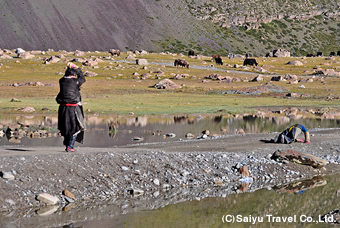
(219, 61)
(181, 62)
(338, 53)
(114, 52)
(319, 54)
(332, 53)
(250, 62)
(191, 53)
(310, 55)
(215, 56)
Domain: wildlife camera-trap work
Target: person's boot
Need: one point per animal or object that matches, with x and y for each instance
(70, 147)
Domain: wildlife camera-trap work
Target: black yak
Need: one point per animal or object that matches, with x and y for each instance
(250, 62)
(181, 62)
(219, 61)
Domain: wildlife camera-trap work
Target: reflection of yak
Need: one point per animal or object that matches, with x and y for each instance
(180, 119)
(181, 62)
(191, 53)
(250, 62)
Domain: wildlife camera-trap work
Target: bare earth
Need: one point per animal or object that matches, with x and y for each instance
(97, 174)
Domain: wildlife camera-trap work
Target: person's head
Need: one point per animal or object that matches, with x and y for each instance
(70, 71)
(71, 65)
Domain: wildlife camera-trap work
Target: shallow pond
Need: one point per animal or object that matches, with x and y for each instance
(301, 204)
(111, 131)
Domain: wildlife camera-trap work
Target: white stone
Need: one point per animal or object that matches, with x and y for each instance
(156, 181)
(48, 199)
(8, 176)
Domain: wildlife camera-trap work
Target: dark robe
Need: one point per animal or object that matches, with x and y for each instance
(70, 113)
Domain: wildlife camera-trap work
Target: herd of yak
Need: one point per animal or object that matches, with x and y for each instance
(218, 60)
(248, 61)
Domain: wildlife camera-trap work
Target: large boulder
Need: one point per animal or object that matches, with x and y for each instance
(299, 158)
(281, 53)
(166, 84)
(141, 62)
(52, 59)
(25, 55)
(295, 63)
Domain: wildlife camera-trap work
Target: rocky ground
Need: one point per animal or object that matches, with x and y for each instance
(94, 175)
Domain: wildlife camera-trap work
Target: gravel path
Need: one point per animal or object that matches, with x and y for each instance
(99, 174)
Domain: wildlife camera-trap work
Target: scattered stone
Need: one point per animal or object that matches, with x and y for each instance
(137, 138)
(218, 182)
(124, 168)
(47, 199)
(7, 175)
(90, 74)
(141, 62)
(300, 158)
(136, 192)
(15, 100)
(258, 78)
(166, 84)
(156, 182)
(68, 194)
(295, 63)
(244, 171)
(206, 132)
(189, 136)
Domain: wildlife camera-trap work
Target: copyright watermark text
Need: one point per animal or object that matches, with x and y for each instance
(276, 219)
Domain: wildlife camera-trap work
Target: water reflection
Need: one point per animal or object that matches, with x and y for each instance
(300, 187)
(109, 131)
(196, 207)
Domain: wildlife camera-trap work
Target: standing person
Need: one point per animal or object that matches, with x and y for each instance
(70, 114)
(290, 135)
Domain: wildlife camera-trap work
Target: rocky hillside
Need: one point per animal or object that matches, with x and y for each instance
(206, 26)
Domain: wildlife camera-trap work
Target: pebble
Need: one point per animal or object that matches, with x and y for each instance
(7, 175)
(156, 182)
(124, 168)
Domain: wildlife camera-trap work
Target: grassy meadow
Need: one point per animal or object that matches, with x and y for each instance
(119, 89)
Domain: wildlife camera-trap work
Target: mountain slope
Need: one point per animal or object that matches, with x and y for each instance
(173, 25)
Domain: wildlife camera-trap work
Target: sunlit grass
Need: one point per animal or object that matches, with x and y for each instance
(118, 88)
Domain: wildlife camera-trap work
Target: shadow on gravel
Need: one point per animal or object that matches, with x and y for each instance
(18, 150)
(266, 141)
